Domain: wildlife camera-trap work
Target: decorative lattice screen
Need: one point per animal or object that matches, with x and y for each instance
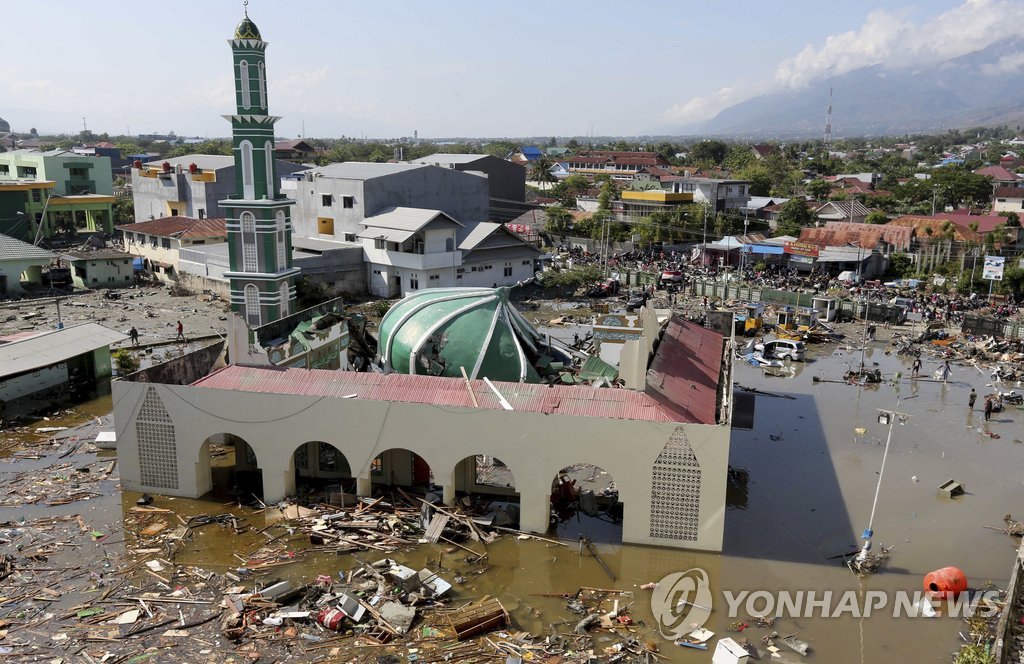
(675, 491)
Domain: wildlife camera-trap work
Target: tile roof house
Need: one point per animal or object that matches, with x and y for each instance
(159, 241)
(1008, 199)
(999, 174)
(20, 262)
(296, 150)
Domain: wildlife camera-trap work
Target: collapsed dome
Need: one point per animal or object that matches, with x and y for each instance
(436, 331)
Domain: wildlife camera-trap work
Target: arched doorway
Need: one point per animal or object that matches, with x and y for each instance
(321, 468)
(585, 502)
(232, 467)
(490, 484)
(403, 468)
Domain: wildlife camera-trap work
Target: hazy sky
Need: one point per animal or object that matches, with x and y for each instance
(457, 68)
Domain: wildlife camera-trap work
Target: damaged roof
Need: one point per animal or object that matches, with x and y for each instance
(685, 372)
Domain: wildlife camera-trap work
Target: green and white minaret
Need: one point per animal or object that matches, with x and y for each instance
(258, 216)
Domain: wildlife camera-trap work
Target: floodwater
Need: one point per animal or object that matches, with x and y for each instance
(810, 482)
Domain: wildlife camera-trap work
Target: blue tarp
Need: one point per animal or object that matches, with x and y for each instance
(763, 249)
(137, 264)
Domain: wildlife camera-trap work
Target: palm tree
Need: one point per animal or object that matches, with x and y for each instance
(541, 171)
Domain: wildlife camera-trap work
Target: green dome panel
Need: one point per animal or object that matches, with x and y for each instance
(436, 331)
(247, 30)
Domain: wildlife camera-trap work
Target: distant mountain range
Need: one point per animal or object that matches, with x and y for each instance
(980, 88)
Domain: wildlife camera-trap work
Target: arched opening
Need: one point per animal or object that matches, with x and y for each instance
(268, 168)
(585, 503)
(261, 74)
(282, 241)
(490, 485)
(250, 260)
(243, 77)
(248, 189)
(232, 469)
(323, 473)
(252, 305)
(404, 469)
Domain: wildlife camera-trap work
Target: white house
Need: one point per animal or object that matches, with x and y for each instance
(407, 249)
(160, 241)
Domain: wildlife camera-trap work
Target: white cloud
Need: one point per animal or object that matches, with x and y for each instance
(1005, 65)
(887, 38)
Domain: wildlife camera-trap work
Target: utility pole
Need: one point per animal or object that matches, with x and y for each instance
(884, 417)
(704, 245)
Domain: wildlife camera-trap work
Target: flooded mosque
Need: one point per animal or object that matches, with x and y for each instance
(456, 379)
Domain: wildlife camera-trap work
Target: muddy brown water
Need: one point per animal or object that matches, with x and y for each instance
(811, 480)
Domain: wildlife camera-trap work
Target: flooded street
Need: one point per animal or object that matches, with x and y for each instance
(805, 498)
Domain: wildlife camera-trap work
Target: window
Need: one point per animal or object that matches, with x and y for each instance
(348, 202)
(165, 243)
(202, 213)
(326, 200)
(78, 172)
(508, 271)
(5, 169)
(325, 225)
(248, 224)
(282, 241)
(449, 244)
(152, 241)
(37, 196)
(350, 237)
(263, 85)
(285, 295)
(110, 278)
(246, 148)
(243, 75)
(527, 262)
(252, 305)
(414, 282)
(174, 212)
(94, 280)
(268, 156)
(380, 243)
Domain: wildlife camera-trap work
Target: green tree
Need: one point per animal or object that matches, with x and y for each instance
(710, 150)
(1012, 219)
(124, 210)
(793, 217)
(556, 219)
(876, 217)
(819, 189)
(737, 157)
(900, 265)
(760, 179)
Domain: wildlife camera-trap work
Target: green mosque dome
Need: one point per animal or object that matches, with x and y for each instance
(436, 331)
(247, 30)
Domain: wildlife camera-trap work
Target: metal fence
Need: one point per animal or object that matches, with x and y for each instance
(979, 325)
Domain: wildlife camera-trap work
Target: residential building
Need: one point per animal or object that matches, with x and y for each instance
(525, 154)
(506, 180)
(20, 264)
(297, 151)
(850, 210)
(103, 268)
(1001, 176)
(21, 204)
(763, 151)
(1006, 199)
(160, 241)
(494, 255)
(332, 201)
(71, 359)
(408, 249)
(720, 194)
(641, 203)
(620, 165)
(82, 195)
(189, 186)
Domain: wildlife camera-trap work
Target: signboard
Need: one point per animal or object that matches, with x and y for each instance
(801, 249)
(993, 268)
(807, 260)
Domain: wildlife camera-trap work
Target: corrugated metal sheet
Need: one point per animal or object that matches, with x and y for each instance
(179, 227)
(48, 348)
(573, 401)
(684, 374)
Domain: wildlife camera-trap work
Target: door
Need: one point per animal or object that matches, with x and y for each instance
(396, 285)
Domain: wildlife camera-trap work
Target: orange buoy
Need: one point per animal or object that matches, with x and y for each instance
(945, 582)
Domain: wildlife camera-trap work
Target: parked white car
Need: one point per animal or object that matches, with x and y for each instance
(782, 349)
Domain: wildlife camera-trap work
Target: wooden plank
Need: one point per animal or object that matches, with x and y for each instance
(437, 525)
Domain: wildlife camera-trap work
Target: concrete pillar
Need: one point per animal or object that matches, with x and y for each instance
(448, 494)
(277, 485)
(534, 511)
(364, 487)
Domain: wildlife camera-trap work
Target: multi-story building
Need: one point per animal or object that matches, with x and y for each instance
(104, 268)
(332, 201)
(721, 195)
(188, 186)
(618, 164)
(507, 180)
(81, 189)
(160, 241)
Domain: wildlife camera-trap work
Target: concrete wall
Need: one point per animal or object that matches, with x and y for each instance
(535, 446)
(342, 270)
(181, 370)
(103, 273)
(13, 270)
(23, 385)
(484, 268)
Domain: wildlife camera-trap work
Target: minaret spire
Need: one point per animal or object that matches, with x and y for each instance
(258, 216)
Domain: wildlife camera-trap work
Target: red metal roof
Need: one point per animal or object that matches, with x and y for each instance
(684, 374)
(684, 391)
(185, 227)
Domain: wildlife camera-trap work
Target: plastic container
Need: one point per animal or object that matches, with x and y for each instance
(945, 582)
